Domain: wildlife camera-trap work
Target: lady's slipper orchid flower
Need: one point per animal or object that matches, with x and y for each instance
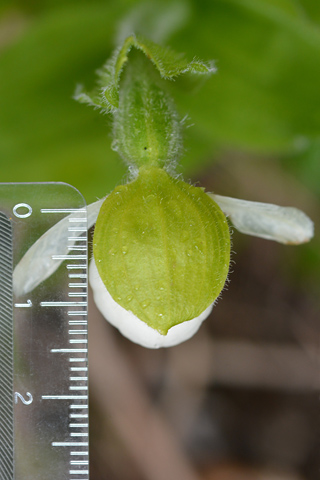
(161, 247)
(282, 224)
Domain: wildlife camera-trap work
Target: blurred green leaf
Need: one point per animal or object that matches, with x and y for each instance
(264, 97)
(305, 164)
(265, 93)
(45, 134)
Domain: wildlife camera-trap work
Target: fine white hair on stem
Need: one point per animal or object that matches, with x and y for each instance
(37, 264)
(131, 326)
(283, 224)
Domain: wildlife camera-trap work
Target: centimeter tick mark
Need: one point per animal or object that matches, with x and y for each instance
(77, 229)
(65, 397)
(62, 210)
(78, 425)
(77, 312)
(70, 444)
(69, 257)
(63, 304)
(76, 266)
(77, 220)
(70, 350)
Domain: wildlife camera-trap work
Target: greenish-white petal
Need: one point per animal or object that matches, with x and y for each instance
(287, 225)
(162, 249)
(37, 264)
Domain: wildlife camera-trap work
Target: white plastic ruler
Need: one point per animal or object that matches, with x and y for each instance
(43, 340)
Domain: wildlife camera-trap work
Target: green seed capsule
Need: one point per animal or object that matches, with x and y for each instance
(168, 237)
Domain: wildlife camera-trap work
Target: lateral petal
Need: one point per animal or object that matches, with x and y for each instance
(287, 225)
(37, 264)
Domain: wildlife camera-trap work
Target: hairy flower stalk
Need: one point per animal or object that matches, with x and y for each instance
(161, 247)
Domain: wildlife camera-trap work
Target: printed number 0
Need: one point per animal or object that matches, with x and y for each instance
(22, 215)
(18, 395)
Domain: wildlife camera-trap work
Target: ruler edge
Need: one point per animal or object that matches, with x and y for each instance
(6, 374)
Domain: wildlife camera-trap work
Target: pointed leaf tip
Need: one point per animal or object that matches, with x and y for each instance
(169, 64)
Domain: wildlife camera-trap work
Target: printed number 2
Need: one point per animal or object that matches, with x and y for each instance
(18, 395)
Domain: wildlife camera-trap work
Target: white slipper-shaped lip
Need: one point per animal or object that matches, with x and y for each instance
(131, 326)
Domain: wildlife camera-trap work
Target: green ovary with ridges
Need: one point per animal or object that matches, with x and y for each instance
(162, 248)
